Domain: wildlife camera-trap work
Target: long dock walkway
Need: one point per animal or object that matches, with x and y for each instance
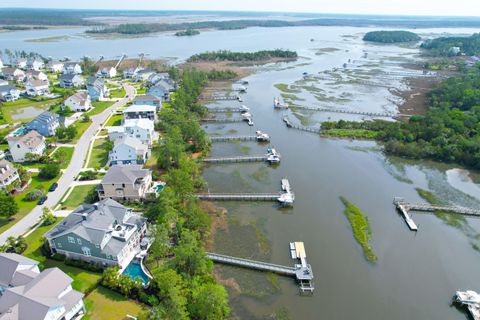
(289, 124)
(236, 159)
(233, 138)
(252, 264)
(222, 120)
(239, 196)
(344, 111)
(219, 98)
(227, 110)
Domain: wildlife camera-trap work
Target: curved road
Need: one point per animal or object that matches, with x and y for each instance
(69, 174)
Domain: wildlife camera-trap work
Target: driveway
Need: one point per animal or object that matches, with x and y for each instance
(75, 166)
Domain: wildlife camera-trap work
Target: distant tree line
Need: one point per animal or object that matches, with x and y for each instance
(391, 36)
(443, 46)
(225, 55)
(187, 33)
(448, 132)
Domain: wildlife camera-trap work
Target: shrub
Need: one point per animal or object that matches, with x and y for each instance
(33, 195)
(49, 171)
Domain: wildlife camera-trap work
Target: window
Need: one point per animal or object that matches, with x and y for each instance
(79, 241)
(71, 240)
(86, 251)
(108, 257)
(97, 246)
(59, 244)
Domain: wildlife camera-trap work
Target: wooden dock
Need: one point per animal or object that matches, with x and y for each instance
(223, 120)
(239, 196)
(345, 111)
(227, 110)
(236, 159)
(220, 98)
(237, 138)
(289, 124)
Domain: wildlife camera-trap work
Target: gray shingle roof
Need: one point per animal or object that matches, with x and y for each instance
(127, 174)
(9, 263)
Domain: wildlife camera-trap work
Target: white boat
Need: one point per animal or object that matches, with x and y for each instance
(472, 300)
(278, 105)
(250, 122)
(244, 108)
(262, 137)
(287, 198)
(285, 185)
(273, 156)
(247, 115)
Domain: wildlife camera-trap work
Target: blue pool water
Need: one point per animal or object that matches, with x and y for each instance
(134, 271)
(19, 132)
(160, 188)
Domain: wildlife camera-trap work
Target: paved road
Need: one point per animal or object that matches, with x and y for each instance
(75, 166)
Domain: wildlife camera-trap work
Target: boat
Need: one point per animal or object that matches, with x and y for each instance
(287, 122)
(239, 99)
(273, 156)
(250, 122)
(244, 108)
(247, 115)
(242, 89)
(278, 105)
(262, 137)
(245, 82)
(471, 299)
(286, 199)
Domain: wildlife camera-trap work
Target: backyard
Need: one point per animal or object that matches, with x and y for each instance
(103, 303)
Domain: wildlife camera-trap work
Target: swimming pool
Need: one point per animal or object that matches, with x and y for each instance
(134, 271)
(19, 132)
(159, 187)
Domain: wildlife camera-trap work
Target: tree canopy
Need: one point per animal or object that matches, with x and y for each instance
(391, 36)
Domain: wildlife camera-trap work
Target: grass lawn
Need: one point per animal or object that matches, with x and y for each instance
(102, 304)
(81, 128)
(99, 156)
(78, 196)
(141, 90)
(117, 93)
(99, 107)
(68, 155)
(10, 109)
(24, 206)
(115, 120)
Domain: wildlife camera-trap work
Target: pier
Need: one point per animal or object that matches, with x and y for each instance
(302, 272)
(344, 111)
(236, 159)
(259, 137)
(228, 110)
(289, 124)
(220, 98)
(222, 120)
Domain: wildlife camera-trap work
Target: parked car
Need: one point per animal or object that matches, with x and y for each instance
(42, 200)
(53, 187)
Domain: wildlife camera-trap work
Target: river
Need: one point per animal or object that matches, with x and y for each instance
(416, 274)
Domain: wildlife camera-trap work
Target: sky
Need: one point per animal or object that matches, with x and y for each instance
(391, 7)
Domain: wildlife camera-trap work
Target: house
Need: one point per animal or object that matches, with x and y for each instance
(38, 75)
(128, 150)
(13, 74)
(46, 124)
(107, 72)
(8, 174)
(22, 144)
(156, 77)
(55, 66)
(143, 75)
(21, 63)
(105, 233)
(140, 112)
(35, 64)
(71, 80)
(162, 89)
(37, 87)
(9, 93)
(72, 68)
(148, 100)
(126, 183)
(142, 129)
(1, 63)
(131, 72)
(96, 88)
(79, 102)
(30, 294)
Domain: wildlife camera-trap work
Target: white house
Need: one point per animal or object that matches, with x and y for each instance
(35, 64)
(72, 68)
(79, 102)
(71, 80)
(128, 150)
(13, 74)
(142, 129)
(9, 93)
(8, 174)
(1, 63)
(37, 87)
(21, 145)
(55, 66)
(143, 75)
(131, 72)
(21, 63)
(39, 75)
(27, 293)
(107, 72)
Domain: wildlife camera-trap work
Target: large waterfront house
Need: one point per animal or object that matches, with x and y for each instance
(142, 129)
(143, 75)
(9, 93)
(28, 294)
(140, 112)
(36, 87)
(105, 233)
(20, 145)
(8, 174)
(55, 66)
(13, 74)
(128, 150)
(35, 64)
(96, 88)
(131, 72)
(71, 80)
(126, 183)
(46, 124)
(72, 68)
(107, 72)
(79, 102)
(148, 100)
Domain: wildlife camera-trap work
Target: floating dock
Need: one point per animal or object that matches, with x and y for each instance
(301, 271)
(471, 299)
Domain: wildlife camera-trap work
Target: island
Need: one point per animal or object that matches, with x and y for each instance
(391, 36)
(187, 33)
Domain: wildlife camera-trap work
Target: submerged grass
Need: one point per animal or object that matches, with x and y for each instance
(261, 175)
(361, 228)
(285, 88)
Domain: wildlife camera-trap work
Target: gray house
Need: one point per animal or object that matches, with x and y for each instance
(96, 88)
(105, 233)
(71, 80)
(148, 100)
(46, 124)
(28, 294)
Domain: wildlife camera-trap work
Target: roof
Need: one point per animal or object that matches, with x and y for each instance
(143, 123)
(33, 300)
(139, 108)
(131, 142)
(70, 64)
(146, 97)
(53, 62)
(46, 118)
(68, 76)
(37, 83)
(31, 139)
(7, 88)
(6, 169)
(127, 174)
(8, 265)
(80, 96)
(10, 70)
